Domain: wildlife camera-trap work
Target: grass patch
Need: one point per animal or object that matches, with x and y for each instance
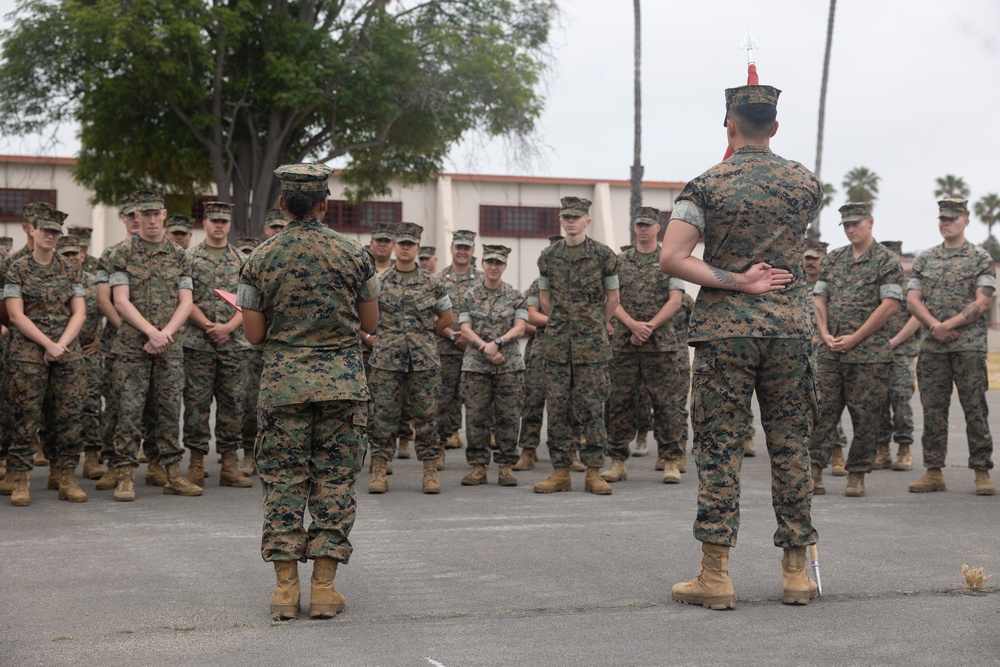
(975, 578)
(62, 638)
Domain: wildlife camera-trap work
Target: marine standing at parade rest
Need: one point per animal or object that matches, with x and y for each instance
(751, 329)
(644, 347)
(951, 287)
(578, 291)
(83, 237)
(215, 352)
(427, 258)
(492, 317)
(305, 295)
(859, 289)
(414, 309)
(178, 228)
(254, 365)
(274, 221)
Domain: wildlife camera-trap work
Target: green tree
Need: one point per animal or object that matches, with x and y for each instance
(987, 210)
(861, 185)
(951, 186)
(828, 192)
(185, 93)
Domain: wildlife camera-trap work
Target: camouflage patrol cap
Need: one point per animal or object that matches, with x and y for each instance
(463, 237)
(127, 205)
(497, 252)
(953, 207)
(49, 218)
(81, 233)
(305, 177)
(217, 210)
(275, 217)
(148, 200)
(408, 231)
(737, 97)
(426, 252)
(247, 243)
(33, 210)
(555, 238)
(68, 243)
(647, 215)
(6, 242)
(855, 211)
(176, 222)
(815, 249)
(895, 246)
(574, 207)
(384, 230)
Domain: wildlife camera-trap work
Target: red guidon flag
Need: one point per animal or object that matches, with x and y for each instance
(749, 44)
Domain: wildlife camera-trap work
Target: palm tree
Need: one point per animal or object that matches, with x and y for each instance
(828, 191)
(861, 185)
(952, 186)
(637, 170)
(814, 227)
(987, 210)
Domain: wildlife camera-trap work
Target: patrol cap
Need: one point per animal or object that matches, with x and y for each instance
(555, 238)
(895, 246)
(426, 252)
(574, 207)
(247, 243)
(953, 207)
(32, 211)
(217, 210)
(176, 222)
(68, 243)
(408, 231)
(275, 217)
(305, 177)
(127, 205)
(148, 200)
(6, 242)
(81, 233)
(738, 97)
(855, 211)
(815, 249)
(497, 252)
(384, 230)
(647, 215)
(49, 218)
(463, 237)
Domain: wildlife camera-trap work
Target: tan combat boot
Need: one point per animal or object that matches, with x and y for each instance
(932, 480)
(682, 463)
(506, 477)
(378, 483)
(9, 482)
(54, 475)
(109, 480)
(20, 496)
(527, 460)
(403, 451)
(796, 586)
(557, 481)
(837, 464)
(454, 441)
(248, 466)
(69, 488)
(196, 468)
(641, 444)
(883, 460)
(617, 471)
(177, 484)
(324, 600)
(671, 475)
(230, 473)
(285, 601)
(593, 483)
(40, 461)
(660, 463)
(141, 456)
(984, 487)
(92, 464)
(431, 484)
(748, 447)
(855, 485)
(819, 489)
(904, 460)
(155, 474)
(3, 467)
(712, 588)
(576, 466)
(124, 484)
(476, 477)
(439, 461)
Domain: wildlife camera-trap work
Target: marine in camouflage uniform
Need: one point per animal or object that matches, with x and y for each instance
(215, 352)
(859, 289)
(413, 307)
(578, 290)
(254, 364)
(951, 286)
(150, 279)
(306, 293)
(751, 329)
(645, 346)
(45, 364)
(492, 317)
(451, 345)
(83, 237)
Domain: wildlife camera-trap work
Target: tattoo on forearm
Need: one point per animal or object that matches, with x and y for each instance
(725, 277)
(988, 291)
(820, 317)
(971, 312)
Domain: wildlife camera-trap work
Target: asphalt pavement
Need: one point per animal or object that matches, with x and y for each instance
(503, 576)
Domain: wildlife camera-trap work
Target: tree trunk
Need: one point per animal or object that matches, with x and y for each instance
(814, 227)
(637, 170)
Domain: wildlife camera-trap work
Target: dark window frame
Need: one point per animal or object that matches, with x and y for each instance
(12, 201)
(358, 217)
(518, 221)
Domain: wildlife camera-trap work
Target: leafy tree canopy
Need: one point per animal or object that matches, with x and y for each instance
(951, 186)
(861, 185)
(186, 93)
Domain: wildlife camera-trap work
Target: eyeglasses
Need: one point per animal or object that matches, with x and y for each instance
(51, 232)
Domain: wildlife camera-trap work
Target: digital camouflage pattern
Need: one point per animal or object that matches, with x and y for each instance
(491, 316)
(936, 374)
(643, 290)
(254, 367)
(407, 309)
(307, 281)
(899, 424)
(415, 392)
(309, 457)
(576, 393)
(91, 432)
(47, 292)
(208, 274)
(533, 405)
(744, 224)
(449, 418)
(218, 375)
(493, 401)
(864, 390)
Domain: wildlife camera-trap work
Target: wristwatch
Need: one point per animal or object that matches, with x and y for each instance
(498, 341)
(453, 337)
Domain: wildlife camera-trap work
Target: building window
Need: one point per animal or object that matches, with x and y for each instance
(12, 201)
(524, 221)
(358, 218)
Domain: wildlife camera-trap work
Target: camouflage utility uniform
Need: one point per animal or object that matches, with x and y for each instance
(449, 412)
(533, 405)
(899, 424)
(93, 329)
(312, 411)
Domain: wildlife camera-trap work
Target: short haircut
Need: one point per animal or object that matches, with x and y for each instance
(754, 120)
(300, 202)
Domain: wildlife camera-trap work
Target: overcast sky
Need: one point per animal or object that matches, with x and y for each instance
(914, 94)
